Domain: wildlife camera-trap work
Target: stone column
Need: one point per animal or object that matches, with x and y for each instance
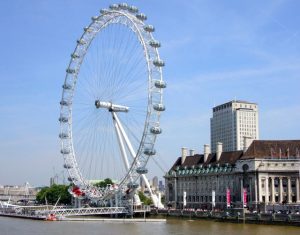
(297, 190)
(255, 189)
(289, 191)
(273, 189)
(250, 191)
(280, 190)
(175, 190)
(267, 190)
(259, 189)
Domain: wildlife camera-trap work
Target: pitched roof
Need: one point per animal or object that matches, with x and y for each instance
(258, 149)
(197, 159)
(273, 149)
(230, 157)
(189, 161)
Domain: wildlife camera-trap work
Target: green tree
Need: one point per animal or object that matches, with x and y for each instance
(144, 199)
(41, 195)
(53, 193)
(104, 183)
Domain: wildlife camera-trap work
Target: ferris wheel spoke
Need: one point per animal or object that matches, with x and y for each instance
(124, 66)
(86, 83)
(133, 66)
(84, 139)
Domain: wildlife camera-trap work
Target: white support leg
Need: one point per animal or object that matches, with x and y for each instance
(123, 152)
(124, 135)
(154, 198)
(121, 144)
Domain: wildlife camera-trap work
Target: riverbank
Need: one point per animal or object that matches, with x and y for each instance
(22, 216)
(237, 216)
(86, 218)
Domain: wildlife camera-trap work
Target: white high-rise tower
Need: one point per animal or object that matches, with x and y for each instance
(232, 124)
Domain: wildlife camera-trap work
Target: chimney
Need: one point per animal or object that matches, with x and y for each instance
(183, 154)
(206, 152)
(219, 150)
(247, 142)
(192, 152)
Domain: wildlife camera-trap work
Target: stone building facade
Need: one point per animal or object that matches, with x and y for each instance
(15, 193)
(268, 172)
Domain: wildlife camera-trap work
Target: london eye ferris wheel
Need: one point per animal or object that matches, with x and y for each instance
(111, 102)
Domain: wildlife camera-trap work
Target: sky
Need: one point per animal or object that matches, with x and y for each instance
(215, 51)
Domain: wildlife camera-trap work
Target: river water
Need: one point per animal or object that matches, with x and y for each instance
(13, 226)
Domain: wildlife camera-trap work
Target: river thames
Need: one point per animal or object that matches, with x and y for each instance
(13, 226)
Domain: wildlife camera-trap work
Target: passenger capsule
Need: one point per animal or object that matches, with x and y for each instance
(63, 135)
(65, 103)
(155, 44)
(159, 63)
(159, 107)
(114, 6)
(95, 18)
(67, 166)
(132, 185)
(71, 178)
(103, 11)
(160, 84)
(81, 42)
(149, 152)
(63, 119)
(133, 9)
(155, 130)
(123, 6)
(71, 71)
(65, 151)
(67, 86)
(74, 56)
(141, 170)
(87, 29)
(141, 16)
(149, 28)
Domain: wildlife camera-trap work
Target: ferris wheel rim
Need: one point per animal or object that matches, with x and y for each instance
(139, 25)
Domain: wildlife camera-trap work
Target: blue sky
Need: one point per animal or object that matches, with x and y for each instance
(215, 51)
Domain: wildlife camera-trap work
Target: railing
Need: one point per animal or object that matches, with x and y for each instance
(17, 197)
(64, 212)
(143, 208)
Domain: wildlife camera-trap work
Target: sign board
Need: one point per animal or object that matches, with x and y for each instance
(245, 197)
(184, 198)
(228, 199)
(213, 200)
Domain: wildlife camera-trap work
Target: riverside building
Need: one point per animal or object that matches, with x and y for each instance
(15, 193)
(264, 175)
(232, 122)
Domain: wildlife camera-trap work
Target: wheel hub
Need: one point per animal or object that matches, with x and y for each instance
(111, 107)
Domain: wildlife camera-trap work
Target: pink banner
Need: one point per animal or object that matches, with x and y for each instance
(228, 199)
(245, 197)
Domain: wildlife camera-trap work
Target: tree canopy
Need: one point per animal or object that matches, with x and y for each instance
(104, 183)
(53, 193)
(145, 200)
